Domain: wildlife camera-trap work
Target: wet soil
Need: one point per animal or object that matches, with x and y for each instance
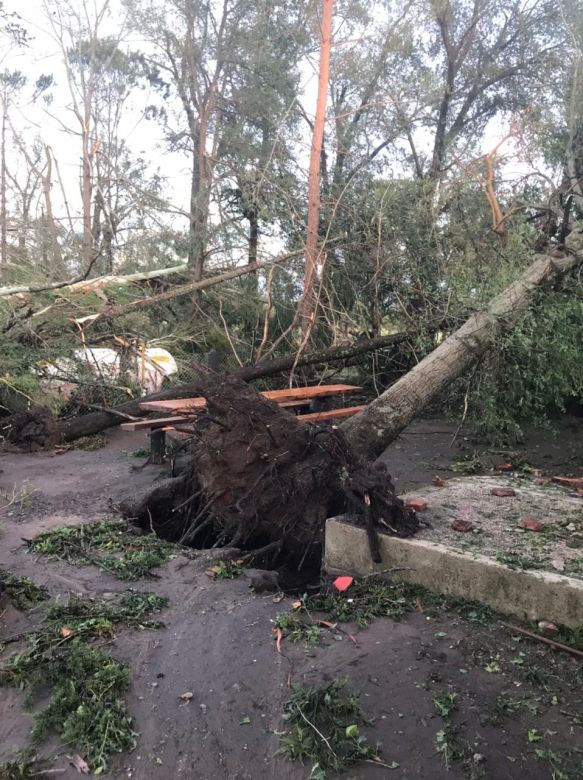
(519, 706)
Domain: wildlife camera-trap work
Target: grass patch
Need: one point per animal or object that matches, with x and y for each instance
(22, 591)
(86, 685)
(108, 544)
(22, 768)
(467, 465)
(295, 628)
(324, 729)
(516, 561)
(90, 443)
(372, 598)
(140, 452)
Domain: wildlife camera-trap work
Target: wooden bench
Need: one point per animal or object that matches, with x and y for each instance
(187, 408)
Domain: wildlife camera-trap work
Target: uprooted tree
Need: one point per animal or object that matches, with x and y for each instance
(262, 479)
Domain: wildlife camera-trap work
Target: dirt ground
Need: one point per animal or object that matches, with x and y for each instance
(519, 705)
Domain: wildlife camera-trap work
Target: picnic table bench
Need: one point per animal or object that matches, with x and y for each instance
(182, 411)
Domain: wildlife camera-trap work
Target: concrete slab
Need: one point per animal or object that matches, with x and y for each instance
(465, 564)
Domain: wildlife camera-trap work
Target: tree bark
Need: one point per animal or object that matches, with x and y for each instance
(371, 431)
(82, 284)
(308, 302)
(3, 210)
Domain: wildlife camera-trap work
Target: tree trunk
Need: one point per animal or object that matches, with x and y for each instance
(308, 302)
(3, 204)
(371, 431)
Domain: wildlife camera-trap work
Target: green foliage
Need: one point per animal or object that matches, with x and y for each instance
(107, 544)
(23, 391)
(324, 728)
(467, 465)
(86, 685)
(372, 598)
(99, 617)
(534, 369)
(296, 627)
(24, 767)
(90, 443)
(445, 704)
(22, 591)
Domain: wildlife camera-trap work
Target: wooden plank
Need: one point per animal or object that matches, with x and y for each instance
(161, 422)
(289, 394)
(330, 414)
(295, 404)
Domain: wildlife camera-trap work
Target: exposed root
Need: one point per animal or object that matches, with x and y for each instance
(265, 482)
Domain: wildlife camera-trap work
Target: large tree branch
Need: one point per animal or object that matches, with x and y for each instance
(120, 310)
(82, 284)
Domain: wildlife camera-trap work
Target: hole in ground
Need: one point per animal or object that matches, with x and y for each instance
(183, 519)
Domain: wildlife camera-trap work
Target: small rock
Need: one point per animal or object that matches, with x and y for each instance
(503, 492)
(263, 581)
(530, 524)
(479, 758)
(463, 526)
(417, 504)
(547, 629)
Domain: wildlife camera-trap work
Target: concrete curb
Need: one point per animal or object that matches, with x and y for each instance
(528, 595)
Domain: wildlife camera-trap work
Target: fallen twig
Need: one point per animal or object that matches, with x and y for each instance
(115, 412)
(551, 642)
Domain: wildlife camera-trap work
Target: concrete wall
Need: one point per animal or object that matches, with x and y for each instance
(529, 595)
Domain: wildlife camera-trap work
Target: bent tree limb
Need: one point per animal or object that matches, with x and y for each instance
(140, 304)
(371, 431)
(88, 424)
(83, 284)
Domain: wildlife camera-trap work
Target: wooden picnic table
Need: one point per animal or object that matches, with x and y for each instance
(283, 397)
(183, 411)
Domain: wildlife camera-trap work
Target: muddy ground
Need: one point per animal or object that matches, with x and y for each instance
(519, 710)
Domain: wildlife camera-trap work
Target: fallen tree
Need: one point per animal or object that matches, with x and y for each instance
(88, 424)
(371, 431)
(262, 479)
(375, 427)
(82, 284)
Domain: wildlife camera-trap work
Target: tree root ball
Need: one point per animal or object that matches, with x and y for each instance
(265, 477)
(31, 431)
